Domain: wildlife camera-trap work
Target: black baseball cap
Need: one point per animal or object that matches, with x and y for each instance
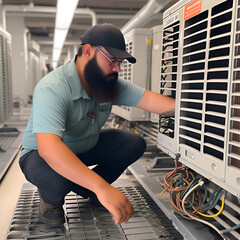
(110, 37)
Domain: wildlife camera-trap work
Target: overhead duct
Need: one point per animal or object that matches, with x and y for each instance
(145, 15)
(32, 8)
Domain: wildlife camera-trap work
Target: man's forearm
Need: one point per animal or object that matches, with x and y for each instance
(157, 103)
(170, 113)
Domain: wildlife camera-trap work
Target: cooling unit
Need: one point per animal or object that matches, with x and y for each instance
(200, 67)
(156, 64)
(6, 102)
(34, 65)
(139, 44)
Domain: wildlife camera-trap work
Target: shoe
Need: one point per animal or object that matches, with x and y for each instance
(52, 215)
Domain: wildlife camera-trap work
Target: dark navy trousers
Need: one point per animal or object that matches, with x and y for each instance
(113, 153)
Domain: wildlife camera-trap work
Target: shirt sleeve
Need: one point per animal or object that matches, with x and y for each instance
(129, 94)
(49, 111)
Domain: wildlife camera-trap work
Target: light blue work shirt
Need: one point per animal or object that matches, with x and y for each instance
(61, 106)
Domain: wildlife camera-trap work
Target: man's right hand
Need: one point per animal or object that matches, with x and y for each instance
(116, 203)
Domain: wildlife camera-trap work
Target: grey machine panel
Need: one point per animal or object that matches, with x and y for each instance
(156, 64)
(139, 44)
(6, 102)
(200, 68)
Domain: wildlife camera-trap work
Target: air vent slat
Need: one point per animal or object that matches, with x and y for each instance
(193, 110)
(169, 69)
(214, 130)
(222, 7)
(223, 18)
(191, 124)
(213, 151)
(189, 142)
(190, 130)
(186, 119)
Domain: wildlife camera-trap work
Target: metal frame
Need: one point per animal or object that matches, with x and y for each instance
(156, 64)
(206, 90)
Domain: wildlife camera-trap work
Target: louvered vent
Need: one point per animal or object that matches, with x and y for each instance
(234, 126)
(6, 104)
(169, 69)
(126, 67)
(205, 80)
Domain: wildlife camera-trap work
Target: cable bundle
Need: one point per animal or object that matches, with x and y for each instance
(189, 196)
(177, 182)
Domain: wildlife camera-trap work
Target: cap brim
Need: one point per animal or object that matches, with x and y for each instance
(118, 53)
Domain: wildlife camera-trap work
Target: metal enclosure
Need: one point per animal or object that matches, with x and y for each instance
(34, 75)
(6, 99)
(156, 64)
(139, 44)
(201, 69)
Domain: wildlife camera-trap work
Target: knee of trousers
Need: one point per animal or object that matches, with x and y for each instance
(54, 189)
(50, 184)
(140, 144)
(136, 148)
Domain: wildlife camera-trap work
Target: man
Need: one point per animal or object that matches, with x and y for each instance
(63, 136)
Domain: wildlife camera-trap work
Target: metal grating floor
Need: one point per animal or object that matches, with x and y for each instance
(11, 137)
(10, 143)
(85, 221)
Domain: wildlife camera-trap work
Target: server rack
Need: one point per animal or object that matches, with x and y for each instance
(6, 102)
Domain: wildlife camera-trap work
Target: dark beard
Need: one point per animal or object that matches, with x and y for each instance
(103, 87)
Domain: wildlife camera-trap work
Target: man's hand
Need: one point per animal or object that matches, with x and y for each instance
(117, 204)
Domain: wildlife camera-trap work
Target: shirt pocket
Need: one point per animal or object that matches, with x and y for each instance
(103, 114)
(79, 127)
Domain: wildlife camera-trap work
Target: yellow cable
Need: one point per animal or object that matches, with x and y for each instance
(135, 130)
(215, 215)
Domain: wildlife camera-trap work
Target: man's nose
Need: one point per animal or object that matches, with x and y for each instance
(117, 68)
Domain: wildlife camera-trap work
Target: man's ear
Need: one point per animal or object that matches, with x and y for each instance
(88, 51)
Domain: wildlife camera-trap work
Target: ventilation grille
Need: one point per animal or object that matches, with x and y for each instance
(6, 104)
(126, 67)
(169, 73)
(205, 80)
(126, 70)
(234, 131)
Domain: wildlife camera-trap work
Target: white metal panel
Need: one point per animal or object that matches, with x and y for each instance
(139, 44)
(170, 78)
(206, 127)
(156, 64)
(232, 163)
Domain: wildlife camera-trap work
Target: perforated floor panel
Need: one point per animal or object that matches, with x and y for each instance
(86, 221)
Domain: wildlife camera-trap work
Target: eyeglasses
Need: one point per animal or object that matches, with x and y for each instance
(113, 62)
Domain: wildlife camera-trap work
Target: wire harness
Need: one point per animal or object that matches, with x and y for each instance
(189, 195)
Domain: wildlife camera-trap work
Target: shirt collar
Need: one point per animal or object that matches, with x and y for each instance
(74, 81)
